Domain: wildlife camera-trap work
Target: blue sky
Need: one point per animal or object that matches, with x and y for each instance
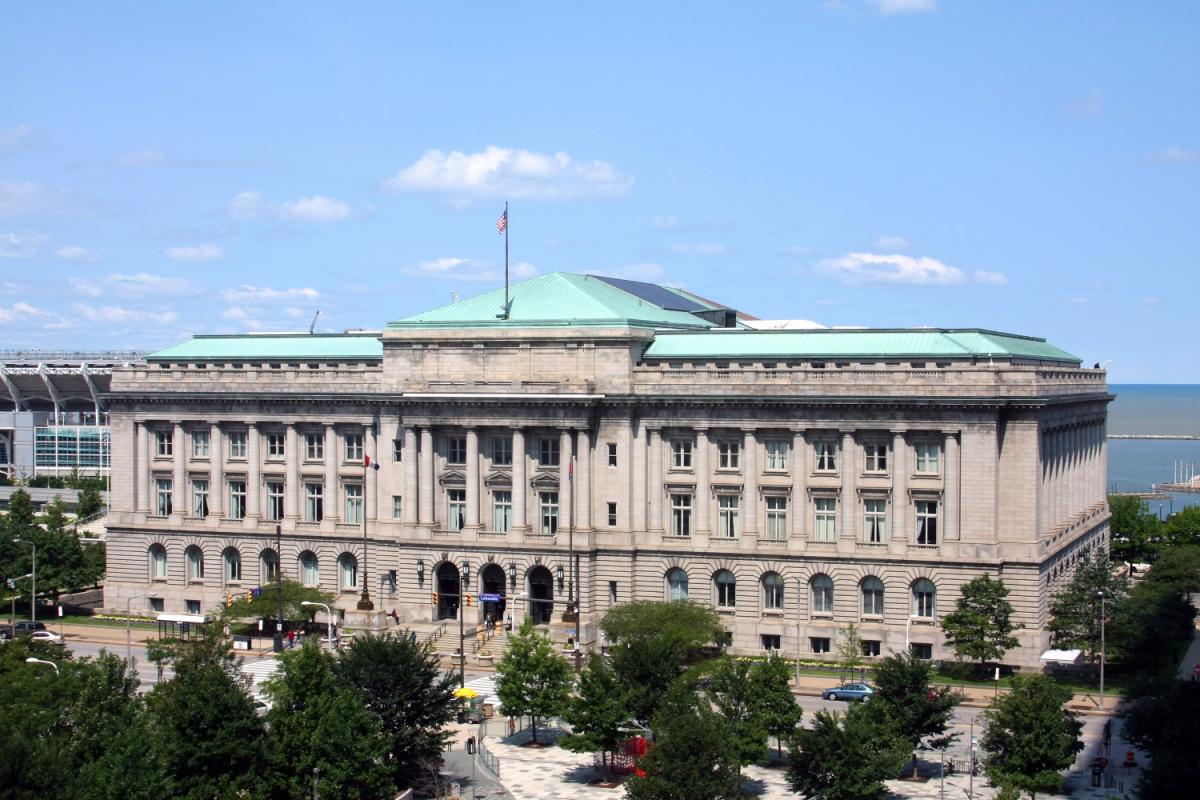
(169, 169)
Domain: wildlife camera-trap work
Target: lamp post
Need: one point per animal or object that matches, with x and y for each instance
(1102, 609)
(128, 634)
(32, 660)
(463, 581)
(328, 618)
(277, 641)
(799, 590)
(33, 585)
(364, 602)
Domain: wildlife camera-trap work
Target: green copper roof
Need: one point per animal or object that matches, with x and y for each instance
(920, 343)
(557, 299)
(297, 346)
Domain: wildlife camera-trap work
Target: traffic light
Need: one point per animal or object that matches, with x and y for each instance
(435, 598)
(249, 596)
(228, 600)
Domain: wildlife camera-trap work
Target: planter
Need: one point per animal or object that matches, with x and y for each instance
(485, 661)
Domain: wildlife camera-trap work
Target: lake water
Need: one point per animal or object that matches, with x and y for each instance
(1138, 464)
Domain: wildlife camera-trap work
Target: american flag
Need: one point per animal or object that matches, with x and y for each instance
(502, 223)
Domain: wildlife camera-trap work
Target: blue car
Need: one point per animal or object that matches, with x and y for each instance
(848, 691)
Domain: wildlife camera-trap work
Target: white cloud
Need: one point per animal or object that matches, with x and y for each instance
(140, 284)
(891, 243)
(237, 313)
(25, 199)
(123, 314)
(465, 269)
(699, 249)
(74, 252)
(1090, 105)
(20, 310)
(143, 158)
(992, 278)
(198, 253)
(799, 250)
(890, 8)
(248, 205)
(15, 138)
(1175, 155)
(1078, 301)
(246, 292)
(315, 209)
(21, 245)
(510, 173)
(858, 269)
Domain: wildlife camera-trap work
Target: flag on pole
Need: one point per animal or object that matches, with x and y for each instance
(367, 462)
(502, 223)
(570, 470)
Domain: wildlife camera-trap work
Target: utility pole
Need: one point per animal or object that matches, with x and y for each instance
(33, 584)
(1102, 609)
(462, 655)
(277, 642)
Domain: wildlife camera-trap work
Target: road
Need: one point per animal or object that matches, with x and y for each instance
(147, 672)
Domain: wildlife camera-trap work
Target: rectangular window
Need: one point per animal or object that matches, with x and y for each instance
(825, 519)
(314, 502)
(157, 605)
(501, 511)
(314, 446)
(612, 454)
(681, 454)
(164, 446)
(397, 507)
(727, 515)
(777, 455)
(456, 450)
(354, 446)
(922, 651)
(237, 444)
(729, 455)
(354, 504)
(776, 518)
(502, 451)
(871, 647)
(237, 499)
(199, 444)
(826, 456)
(548, 452)
(819, 644)
(875, 457)
(681, 514)
(927, 457)
(275, 445)
(927, 518)
(612, 515)
(771, 641)
(163, 500)
(548, 502)
(456, 516)
(193, 606)
(199, 498)
(875, 512)
(612, 592)
(274, 500)
(397, 450)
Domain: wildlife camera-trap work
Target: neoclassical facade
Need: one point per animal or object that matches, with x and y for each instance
(796, 480)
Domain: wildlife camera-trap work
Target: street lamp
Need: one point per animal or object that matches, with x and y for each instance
(33, 586)
(1101, 593)
(32, 660)
(128, 636)
(277, 640)
(328, 618)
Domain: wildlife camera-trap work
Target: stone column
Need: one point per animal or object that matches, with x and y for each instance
(142, 493)
(253, 472)
(565, 489)
(799, 484)
(410, 475)
(520, 483)
(637, 498)
(848, 506)
(179, 474)
(750, 481)
(216, 471)
(426, 481)
(625, 461)
(654, 480)
(472, 520)
(703, 486)
(583, 483)
(900, 509)
(371, 483)
(952, 484)
(330, 508)
(1101, 429)
(291, 479)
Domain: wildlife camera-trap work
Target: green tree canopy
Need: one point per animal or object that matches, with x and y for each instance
(736, 697)
(1177, 569)
(781, 714)
(1181, 528)
(1134, 529)
(1029, 737)
(846, 757)
(1160, 720)
(90, 501)
(247, 605)
(597, 713)
(533, 679)
(411, 696)
(1075, 610)
(689, 624)
(914, 709)
(980, 627)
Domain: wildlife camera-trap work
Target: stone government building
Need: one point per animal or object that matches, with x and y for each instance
(795, 480)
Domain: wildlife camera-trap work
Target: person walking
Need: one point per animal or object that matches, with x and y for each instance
(291, 638)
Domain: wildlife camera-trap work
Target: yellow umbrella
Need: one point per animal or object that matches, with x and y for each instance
(466, 693)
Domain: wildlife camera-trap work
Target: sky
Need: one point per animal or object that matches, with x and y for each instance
(169, 169)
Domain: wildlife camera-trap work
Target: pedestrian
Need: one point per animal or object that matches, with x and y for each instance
(512, 726)
(291, 638)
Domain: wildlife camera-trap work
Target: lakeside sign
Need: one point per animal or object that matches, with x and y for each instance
(490, 598)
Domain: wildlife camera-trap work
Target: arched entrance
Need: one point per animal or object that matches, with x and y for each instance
(447, 591)
(492, 584)
(541, 595)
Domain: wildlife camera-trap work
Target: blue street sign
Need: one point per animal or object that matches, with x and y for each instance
(490, 598)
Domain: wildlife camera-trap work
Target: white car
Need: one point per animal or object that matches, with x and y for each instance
(47, 636)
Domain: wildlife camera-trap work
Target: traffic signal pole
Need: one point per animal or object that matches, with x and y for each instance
(462, 655)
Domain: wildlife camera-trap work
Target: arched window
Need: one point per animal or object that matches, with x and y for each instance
(268, 563)
(924, 598)
(872, 597)
(822, 594)
(309, 573)
(677, 584)
(158, 562)
(195, 563)
(772, 585)
(348, 572)
(726, 588)
(233, 564)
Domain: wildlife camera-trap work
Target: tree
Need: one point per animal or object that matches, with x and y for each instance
(915, 709)
(1075, 610)
(318, 721)
(1134, 529)
(781, 714)
(597, 713)
(412, 698)
(90, 501)
(1177, 569)
(734, 694)
(532, 678)
(694, 757)
(846, 757)
(850, 647)
(1181, 528)
(267, 602)
(18, 523)
(1029, 737)
(1160, 720)
(980, 627)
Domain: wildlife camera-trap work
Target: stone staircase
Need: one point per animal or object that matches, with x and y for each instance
(94, 527)
(475, 639)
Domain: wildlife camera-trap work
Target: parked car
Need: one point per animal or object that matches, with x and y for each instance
(27, 626)
(6, 633)
(848, 691)
(50, 637)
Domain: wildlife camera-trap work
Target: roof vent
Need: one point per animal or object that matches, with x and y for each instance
(721, 317)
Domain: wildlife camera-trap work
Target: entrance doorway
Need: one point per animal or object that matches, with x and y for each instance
(447, 591)
(541, 596)
(492, 596)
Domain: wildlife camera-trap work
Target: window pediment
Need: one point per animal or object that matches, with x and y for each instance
(497, 479)
(544, 480)
(453, 477)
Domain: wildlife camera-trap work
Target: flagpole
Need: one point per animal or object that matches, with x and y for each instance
(506, 226)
